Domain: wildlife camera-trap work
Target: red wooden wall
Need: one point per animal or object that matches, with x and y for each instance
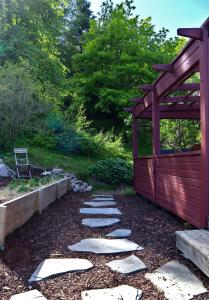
(176, 185)
(143, 177)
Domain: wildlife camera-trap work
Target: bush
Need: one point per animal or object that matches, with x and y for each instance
(113, 170)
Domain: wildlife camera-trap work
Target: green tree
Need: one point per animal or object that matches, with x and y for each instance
(31, 30)
(21, 111)
(77, 21)
(118, 53)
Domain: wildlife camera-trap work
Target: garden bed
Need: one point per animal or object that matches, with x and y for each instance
(16, 212)
(48, 235)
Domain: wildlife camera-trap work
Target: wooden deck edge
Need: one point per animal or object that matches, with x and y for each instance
(193, 251)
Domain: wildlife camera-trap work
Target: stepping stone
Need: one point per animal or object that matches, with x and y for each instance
(102, 199)
(176, 281)
(102, 196)
(51, 267)
(31, 295)
(100, 211)
(128, 265)
(105, 246)
(100, 222)
(119, 233)
(123, 292)
(100, 203)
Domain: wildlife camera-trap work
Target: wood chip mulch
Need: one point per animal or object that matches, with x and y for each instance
(48, 235)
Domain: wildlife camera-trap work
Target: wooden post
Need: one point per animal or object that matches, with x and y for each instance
(155, 125)
(204, 117)
(155, 137)
(135, 137)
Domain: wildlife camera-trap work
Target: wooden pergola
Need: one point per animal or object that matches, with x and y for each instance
(178, 181)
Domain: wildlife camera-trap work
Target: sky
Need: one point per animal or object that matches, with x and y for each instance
(170, 14)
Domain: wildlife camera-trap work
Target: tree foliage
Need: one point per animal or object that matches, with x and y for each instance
(21, 108)
(118, 53)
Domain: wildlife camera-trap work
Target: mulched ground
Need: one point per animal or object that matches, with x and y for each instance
(47, 236)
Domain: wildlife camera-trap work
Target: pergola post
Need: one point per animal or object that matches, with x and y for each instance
(204, 117)
(155, 124)
(135, 136)
(155, 136)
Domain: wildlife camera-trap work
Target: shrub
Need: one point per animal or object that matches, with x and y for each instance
(113, 170)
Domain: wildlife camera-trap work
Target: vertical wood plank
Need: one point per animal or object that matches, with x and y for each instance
(3, 215)
(204, 116)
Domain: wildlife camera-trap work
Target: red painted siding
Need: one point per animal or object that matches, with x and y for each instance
(143, 177)
(176, 186)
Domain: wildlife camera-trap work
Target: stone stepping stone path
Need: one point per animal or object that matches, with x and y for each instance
(176, 281)
(100, 222)
(129, 265)
(52, 267)
(119, 233)
(102, 196)
(100, 203)
(105, 246)
(122, 292)
(100, 211)
(102, 199)
(31, 295)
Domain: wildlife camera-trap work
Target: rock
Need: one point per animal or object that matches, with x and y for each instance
(57, 171)
(51, 267)
(100, 222)
(89, 188)
(4, 170)
(46, 173)
(100, 211)
(123, 292)
(102, 199)
(102, 196)
(100, 203)
(128, 265)
(176, 281)
(119, 233)
(31, 295)
(105, 246)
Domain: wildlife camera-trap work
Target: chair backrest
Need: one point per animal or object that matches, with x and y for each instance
(21, 156)
(20, 150)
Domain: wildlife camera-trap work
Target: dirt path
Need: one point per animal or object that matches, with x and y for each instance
(47, 236)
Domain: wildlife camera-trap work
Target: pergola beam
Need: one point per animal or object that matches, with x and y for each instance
(193, 33)
(192, 115)
(178, 99)
(187, 87)
(164, 68)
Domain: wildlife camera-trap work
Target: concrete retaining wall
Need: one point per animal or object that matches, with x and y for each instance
(16, 212)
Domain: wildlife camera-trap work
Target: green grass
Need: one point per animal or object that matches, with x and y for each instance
(49, 159)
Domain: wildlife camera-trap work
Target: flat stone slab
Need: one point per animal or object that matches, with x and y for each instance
(51, 267)
(100, 211)
(122, 292)
(119, 233)
(105, 246)
(100, 203)
(176, 281)
(100, 222)
(128, 265)
(102, 196)
(31, 295)
(102, 199)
